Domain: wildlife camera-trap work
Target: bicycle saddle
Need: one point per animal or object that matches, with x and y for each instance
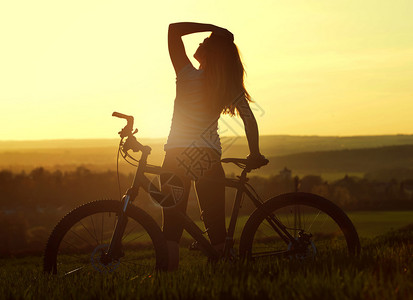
(236, 161)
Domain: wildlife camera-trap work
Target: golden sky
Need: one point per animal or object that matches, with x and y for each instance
(314, 67)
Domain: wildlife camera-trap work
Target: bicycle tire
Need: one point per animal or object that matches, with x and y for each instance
(74, 236)
(334, 232)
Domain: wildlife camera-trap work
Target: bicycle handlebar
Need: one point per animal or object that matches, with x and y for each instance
(123, 116)
(131, 143)
(127, 130)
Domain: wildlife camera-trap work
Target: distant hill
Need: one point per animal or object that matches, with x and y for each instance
(355, 160)
(337, 163)
(270, 144)
(302, 154)
(285, 145)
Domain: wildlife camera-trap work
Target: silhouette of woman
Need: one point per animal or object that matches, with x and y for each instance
(193, 149)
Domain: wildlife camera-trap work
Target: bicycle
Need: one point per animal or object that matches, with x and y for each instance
(107, 235)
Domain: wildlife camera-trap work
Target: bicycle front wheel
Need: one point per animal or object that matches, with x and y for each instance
(314, 226)
(80, 240)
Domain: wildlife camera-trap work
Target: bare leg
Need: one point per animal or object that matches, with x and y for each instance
(172, 226)
(211, 198)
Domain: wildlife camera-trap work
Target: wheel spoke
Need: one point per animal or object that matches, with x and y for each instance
(94, 230)
(93, 237)
(76, 245)
(314, 222)
(133, 228)
(101, 236)
(79, 237)
(76, 270)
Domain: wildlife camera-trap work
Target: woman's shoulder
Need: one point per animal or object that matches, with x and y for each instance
(188, 72)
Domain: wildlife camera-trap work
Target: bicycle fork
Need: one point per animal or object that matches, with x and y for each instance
(115, 251)
(115, 247)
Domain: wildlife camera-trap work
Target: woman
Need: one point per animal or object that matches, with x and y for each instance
(193, 149)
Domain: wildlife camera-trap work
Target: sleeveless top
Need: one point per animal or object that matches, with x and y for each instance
(193, 124)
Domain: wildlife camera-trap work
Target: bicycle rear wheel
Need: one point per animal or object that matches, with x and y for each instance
(80, 240)
(317, 226)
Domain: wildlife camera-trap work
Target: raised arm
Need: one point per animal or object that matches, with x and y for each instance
(176, 46)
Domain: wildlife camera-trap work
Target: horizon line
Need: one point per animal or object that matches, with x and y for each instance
(229, 136)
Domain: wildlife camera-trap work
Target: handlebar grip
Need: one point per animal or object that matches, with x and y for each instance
(119, 115)
(127, 130)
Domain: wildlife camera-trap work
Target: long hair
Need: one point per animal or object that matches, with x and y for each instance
(224, 74)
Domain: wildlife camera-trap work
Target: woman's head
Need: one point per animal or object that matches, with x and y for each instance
(219, 58)
(200, 52)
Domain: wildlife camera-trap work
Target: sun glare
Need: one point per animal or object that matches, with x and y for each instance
(314, 68)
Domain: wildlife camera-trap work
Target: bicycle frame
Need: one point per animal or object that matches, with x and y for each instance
(141, 181)
(264, 233)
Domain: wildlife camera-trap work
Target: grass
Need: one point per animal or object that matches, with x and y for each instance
(369, 224)
(373, 223)
(384, 270)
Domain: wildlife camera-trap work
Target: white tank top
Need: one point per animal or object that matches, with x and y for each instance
(193, 125)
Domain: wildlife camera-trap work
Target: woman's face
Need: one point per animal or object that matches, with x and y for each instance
(200, 52)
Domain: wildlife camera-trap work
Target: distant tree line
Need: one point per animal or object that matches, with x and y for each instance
(32, 203)
(349, 193)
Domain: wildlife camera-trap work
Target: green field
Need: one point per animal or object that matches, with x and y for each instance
(369, 224)
(384, 270)
(373, 223)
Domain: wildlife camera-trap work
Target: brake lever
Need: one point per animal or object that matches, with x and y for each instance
(125, 132)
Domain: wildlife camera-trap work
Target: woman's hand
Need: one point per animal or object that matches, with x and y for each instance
(224, 33)
(176, 46)
(256, 160)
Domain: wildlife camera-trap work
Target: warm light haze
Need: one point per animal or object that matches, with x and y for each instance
(313, 67)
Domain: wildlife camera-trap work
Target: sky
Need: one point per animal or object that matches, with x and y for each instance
(314, 67)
